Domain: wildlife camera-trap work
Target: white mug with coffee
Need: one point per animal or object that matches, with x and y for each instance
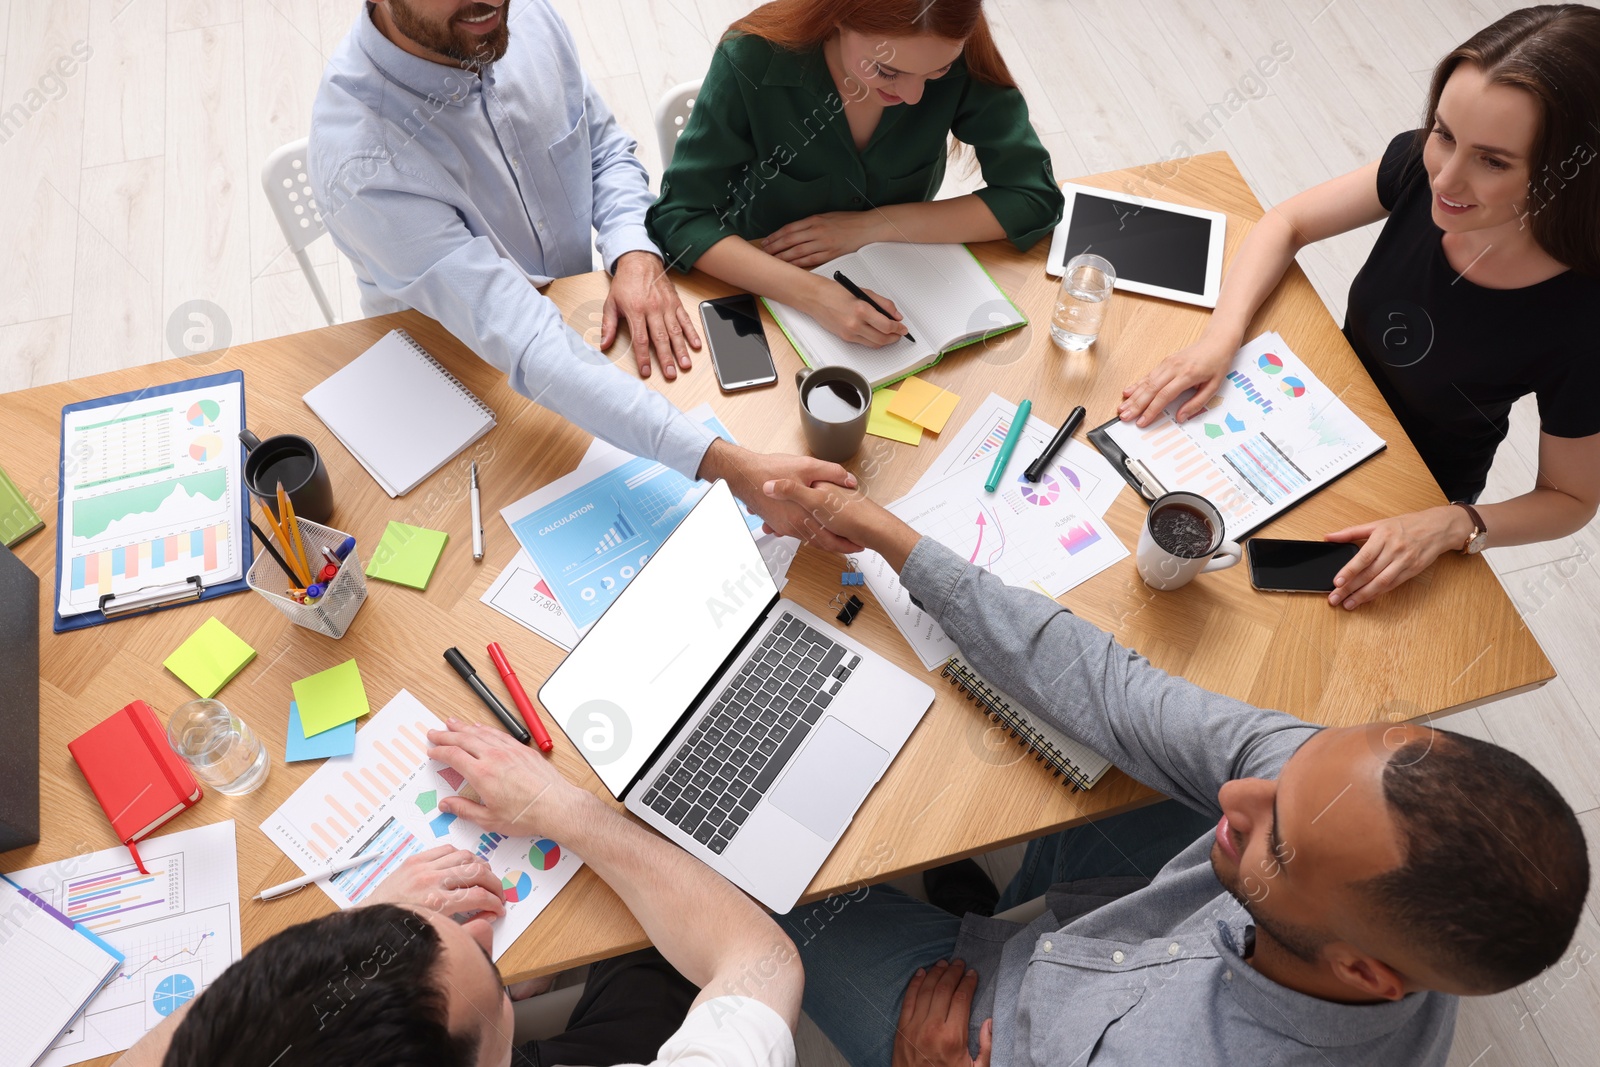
(1183, 537)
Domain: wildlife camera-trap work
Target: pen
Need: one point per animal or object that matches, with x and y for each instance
(1036, 468)
(477, 516)
(306, 879)
(520, 696)
(860, 294)
(454, 657)
(1009, 445)
(346, 547)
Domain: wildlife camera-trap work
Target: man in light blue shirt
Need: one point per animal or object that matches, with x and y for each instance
(460, 159)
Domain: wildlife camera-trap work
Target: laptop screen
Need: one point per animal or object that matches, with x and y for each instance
(641, 665)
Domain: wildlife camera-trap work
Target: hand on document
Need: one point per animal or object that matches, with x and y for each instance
(748, 473)
(447, 880)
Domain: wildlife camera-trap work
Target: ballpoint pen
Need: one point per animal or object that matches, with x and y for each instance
(477, 516)
(861, 294)
(306, 879)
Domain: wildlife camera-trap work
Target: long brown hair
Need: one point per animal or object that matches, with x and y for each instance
(1553, 54)
(799, 25)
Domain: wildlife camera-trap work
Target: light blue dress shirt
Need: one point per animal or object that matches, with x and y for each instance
(457, 195)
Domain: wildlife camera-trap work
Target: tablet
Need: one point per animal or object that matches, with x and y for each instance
(1157, 248)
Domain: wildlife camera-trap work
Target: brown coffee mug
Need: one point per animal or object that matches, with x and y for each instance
(835, 403)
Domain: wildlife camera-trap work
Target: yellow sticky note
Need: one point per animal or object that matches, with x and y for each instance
(210, 658)
(882, 424)
(407, 554)
(331, 698)
(924, 404)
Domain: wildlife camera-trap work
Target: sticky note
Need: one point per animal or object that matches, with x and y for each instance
(407, 555)
(210, 658)
(331, 698)
(924, 404)
(339, 741)
(882, 424)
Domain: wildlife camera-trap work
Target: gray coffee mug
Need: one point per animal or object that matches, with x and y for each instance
(834, 423)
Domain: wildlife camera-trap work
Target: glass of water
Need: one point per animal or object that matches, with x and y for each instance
(219, 747)
(1081, 304)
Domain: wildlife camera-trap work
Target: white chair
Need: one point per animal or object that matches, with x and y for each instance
(672, 115)
(295, 207)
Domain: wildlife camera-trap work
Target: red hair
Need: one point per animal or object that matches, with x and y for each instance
(799, 25)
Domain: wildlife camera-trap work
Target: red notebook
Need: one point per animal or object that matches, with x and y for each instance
(135, 775)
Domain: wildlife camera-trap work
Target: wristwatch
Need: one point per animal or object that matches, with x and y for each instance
(1479, 539)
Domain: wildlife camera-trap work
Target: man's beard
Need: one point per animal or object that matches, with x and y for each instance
(1301, 942)
(471, 50)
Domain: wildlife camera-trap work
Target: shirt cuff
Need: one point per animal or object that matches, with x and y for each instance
(1024, 216)
(930, 576)
(616, 243)
(685, 445)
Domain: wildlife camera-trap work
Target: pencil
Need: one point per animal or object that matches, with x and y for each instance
(291, 526)
(291, 566)
(273, 552)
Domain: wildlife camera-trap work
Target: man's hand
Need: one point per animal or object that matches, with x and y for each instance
(522, 791)
(932, 1031)
(848, 515)
(812, 241)
(748, 473)
(447, 880)
(643, 294)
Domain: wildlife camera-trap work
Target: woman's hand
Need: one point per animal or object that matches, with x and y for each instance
(1396, 550)
(813, 241)
(1200, 367)
(856, 320)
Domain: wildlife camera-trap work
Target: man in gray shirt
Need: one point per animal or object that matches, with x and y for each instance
(1356, 882)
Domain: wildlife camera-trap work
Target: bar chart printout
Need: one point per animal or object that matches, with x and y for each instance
(383, 802)
(176, 926)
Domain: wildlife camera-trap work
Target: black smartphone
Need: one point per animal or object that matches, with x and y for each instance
(739, 352)
(1296, 566)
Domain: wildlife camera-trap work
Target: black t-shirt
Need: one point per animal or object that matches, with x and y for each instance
(1451, 357)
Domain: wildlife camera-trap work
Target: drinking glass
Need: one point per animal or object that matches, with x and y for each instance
(1081, 304)
(219, 747)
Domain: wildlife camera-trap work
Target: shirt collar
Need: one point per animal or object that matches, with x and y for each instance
(450, 85)
(1310, 1020)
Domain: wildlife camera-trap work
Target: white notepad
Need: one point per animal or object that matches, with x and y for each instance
(48, 971)
(399, 412)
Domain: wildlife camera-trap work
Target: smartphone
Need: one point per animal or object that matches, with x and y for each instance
(739, 352)
(1297, 566)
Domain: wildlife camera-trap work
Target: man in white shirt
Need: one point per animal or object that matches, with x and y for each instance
(408, 985)
(461, 159)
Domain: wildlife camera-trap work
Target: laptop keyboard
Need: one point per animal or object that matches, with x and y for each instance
(752, 731)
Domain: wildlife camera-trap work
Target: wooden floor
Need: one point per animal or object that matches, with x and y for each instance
(131, 187)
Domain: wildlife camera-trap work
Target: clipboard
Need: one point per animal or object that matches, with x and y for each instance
(167, 595)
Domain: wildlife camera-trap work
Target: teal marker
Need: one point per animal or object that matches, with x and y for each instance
(1009, 445)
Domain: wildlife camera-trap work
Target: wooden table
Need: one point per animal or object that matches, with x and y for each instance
(1447, 640)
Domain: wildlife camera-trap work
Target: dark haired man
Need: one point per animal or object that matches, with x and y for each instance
(399, 982)
(1351, 884)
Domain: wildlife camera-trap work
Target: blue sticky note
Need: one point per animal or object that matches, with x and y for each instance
(339, 741)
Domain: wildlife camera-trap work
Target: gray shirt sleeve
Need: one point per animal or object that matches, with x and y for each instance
(1165, 732)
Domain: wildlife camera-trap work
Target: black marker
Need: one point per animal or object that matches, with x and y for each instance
(861, 294)
(454, 657)
(1036, 468)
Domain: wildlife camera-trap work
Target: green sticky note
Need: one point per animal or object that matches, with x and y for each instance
(210, 658)
(331, 698)
(407, 555)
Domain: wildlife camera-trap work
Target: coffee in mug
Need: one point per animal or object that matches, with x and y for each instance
(835, 403)
(834, 400)
(1183, 537)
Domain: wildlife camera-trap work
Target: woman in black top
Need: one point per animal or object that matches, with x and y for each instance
(1484, 286)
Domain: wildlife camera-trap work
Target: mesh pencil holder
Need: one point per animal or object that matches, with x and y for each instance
(341, 598)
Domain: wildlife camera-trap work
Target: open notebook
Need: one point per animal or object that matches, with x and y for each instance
(947, 298)
(399, 412)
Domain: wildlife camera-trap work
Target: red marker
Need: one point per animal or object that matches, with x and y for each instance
(541, 736)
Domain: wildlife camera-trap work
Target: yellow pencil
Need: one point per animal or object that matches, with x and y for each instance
(292, 529)
(277, 531)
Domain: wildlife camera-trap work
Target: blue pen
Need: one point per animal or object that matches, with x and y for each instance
(1009, 445)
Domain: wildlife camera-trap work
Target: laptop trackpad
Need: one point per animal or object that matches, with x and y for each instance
(829, 778)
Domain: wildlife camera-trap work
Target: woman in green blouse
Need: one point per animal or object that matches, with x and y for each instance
(823, 126)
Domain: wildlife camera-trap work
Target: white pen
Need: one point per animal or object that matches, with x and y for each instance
(477, 516)
(306, 879)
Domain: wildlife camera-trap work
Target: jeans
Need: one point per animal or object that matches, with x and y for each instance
(861, 949)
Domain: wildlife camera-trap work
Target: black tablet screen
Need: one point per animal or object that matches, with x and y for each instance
(1144, 244)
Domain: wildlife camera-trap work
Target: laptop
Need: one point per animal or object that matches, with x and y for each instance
(740, 725)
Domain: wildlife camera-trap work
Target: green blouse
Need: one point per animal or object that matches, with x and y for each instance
(767, 143)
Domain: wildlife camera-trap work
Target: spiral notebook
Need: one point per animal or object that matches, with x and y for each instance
(399, 412)
(1078, 766)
